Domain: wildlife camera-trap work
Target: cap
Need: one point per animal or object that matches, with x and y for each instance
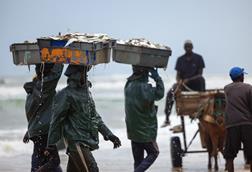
(188, 42)
(235, 72)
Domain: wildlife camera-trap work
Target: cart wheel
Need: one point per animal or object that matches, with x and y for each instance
(176, 152)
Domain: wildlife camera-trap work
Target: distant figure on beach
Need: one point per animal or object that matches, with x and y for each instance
(141, 115)
(189, 77)
(40, 94)
(238, 118)
(76, 120)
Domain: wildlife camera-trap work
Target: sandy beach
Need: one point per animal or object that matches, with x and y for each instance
(121, 159)
(15, 156)
(218, 31)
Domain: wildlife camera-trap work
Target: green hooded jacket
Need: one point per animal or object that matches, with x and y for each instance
(141, 119)
(38, 104)
(75, 118)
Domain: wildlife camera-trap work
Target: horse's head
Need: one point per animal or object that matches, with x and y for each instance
(219, 107)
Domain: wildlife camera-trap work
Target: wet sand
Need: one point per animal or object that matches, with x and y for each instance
(110, 160)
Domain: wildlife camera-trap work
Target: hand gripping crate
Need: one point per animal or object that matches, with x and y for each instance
(79, 53)
(25, 53)
(141, 56)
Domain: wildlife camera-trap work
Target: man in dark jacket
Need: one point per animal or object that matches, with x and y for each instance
(40, 94)
(189, 77)
(141, 119)
(238, 118)
(76, 120)
(189, 68)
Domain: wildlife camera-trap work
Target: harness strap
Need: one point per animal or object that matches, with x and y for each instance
(186, 87)
(209, 118)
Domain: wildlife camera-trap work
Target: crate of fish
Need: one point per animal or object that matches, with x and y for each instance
(79, 49)
(25, 53)
(74, 48)
(142, 53)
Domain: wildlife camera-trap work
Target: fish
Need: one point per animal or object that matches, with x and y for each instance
(142, 42)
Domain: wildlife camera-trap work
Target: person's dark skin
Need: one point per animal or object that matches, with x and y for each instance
(230, 162)
(188, 47)
(26, 138)
(239, 79)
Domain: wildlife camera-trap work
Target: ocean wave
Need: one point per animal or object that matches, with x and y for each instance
(12, 144)
(14, 148)
(99, 87)
(98, 94)
(11, 92)
(102, 85)
(12, 134)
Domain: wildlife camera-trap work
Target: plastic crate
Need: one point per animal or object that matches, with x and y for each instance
(80, 53)
(25, 53)
(142, 56)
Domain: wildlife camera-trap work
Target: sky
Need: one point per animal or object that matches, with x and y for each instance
(221, 30)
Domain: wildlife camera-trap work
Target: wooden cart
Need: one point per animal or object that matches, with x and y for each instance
(188, 104)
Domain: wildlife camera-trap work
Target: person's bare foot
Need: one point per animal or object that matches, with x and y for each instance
(177, 129)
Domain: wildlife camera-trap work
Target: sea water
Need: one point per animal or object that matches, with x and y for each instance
(107, 92)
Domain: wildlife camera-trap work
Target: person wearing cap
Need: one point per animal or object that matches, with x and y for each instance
(76, 120)
(238, 117)
(189, 77)
(141, 115)
(38, 108)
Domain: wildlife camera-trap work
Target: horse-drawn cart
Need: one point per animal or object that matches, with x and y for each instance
(205, 106)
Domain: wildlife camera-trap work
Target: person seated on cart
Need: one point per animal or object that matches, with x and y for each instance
(189, 77)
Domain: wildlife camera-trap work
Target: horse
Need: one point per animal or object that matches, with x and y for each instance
(212, 127)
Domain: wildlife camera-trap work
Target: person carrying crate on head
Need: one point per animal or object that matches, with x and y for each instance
(189, 77)
(141, 115)
(38, 107)
(76, 120)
